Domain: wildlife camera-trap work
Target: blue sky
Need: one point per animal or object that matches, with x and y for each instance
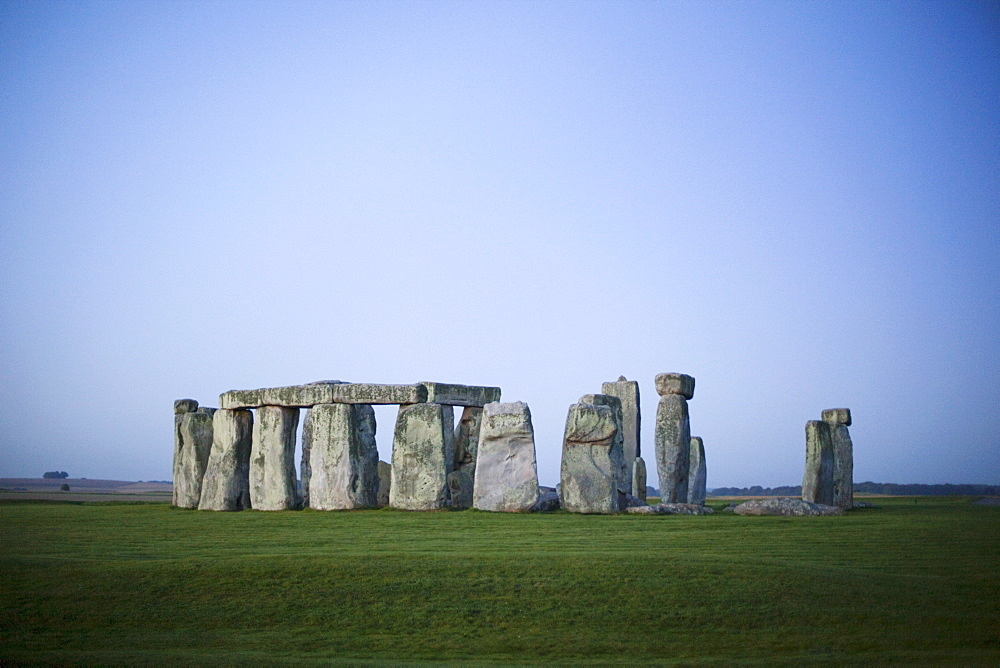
(796, 203)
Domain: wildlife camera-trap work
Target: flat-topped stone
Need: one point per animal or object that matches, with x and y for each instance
(675, 383)
(506, 473)
(303, 396)
(460, 395)
(182, 406)
(837, 416)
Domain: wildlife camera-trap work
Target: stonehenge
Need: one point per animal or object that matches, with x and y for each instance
(673, 435)
(241, 455)
(829, 472)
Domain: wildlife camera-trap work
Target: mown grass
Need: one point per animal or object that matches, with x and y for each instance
(149, 584)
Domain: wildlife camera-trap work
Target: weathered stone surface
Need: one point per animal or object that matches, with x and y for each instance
(423, 454)
(589, 472)
(460, 487)
(506, 470)
(639, 479)
(837, 416)
(817, 481)
(673, 447)
(697, 472)
(631, 501)
(272, 459)
(547, 501)
(628, 392)
(467, 439)
(182, 406)
(785, 506)
(384, 483)
(843, 466)
(460, 395)
(675, 383)
(623, 471)
(298, 396)
(343, 457)
(226, 484)
(192, 458)
(305, 467)
(671, 509)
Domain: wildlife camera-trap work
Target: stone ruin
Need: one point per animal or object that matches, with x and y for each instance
(829, 470)
(241, 455)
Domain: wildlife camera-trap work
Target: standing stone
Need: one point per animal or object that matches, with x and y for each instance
(673, 446)
(181, 408)
(343, 457)
(384, 482)
(467, 439)
(272, 459)
(226, 485)
(305, 466)
(817, 481)
(628, 392)
(623, 470)
(506, 473)
(589, 473)
(423, 454)
(460, 486)
(196, 445)
(698, 473)
(839, 420)
(639, 479)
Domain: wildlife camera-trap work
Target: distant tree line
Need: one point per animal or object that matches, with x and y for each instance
(55, 474)
(869, 488)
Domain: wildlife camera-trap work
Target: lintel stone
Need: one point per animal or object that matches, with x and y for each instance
(460, 395)
(837, 416)
(675, 383)
(302, 396)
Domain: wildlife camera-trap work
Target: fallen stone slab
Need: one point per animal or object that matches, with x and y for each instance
(785, 506)
(303, 396)
(460, 395)
(670, 509)
(506, 473)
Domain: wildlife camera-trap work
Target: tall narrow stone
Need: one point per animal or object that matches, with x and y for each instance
(589, 473)
(181, 408)
(467, 439)
(423, 454)
(343, 457)
(384, 483)
(305, 466)
(698, 472)
(673, 435)
(817, 481)
(639, 478)
(506, 473)
(839, 420)
(460, 486)
(226, 485)
(272, 459)
(623, 469)
(628, 392)
(196, 444)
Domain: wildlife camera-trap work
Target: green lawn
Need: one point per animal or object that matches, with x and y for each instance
(905, 582)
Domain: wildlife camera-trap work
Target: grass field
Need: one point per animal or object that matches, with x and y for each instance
(907, 582)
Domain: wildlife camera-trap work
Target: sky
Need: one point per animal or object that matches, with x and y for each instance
(797, 203)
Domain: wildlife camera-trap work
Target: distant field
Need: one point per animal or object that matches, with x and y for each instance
(149, 584)
(83, 490)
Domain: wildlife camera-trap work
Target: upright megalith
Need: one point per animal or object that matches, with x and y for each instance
(181, 408)
(343, 457)
(623, 470)
(384, 482)
(192, 458)
(423, 454)
(272, 459)
(305, 467)
(639, 479)
(817, 481)
(460, 486)
(467, 439)
(589, 470)
(839, 420)
(506, 471)
(226, 485)
(627, 392)
(673, 435)
(697, 472)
